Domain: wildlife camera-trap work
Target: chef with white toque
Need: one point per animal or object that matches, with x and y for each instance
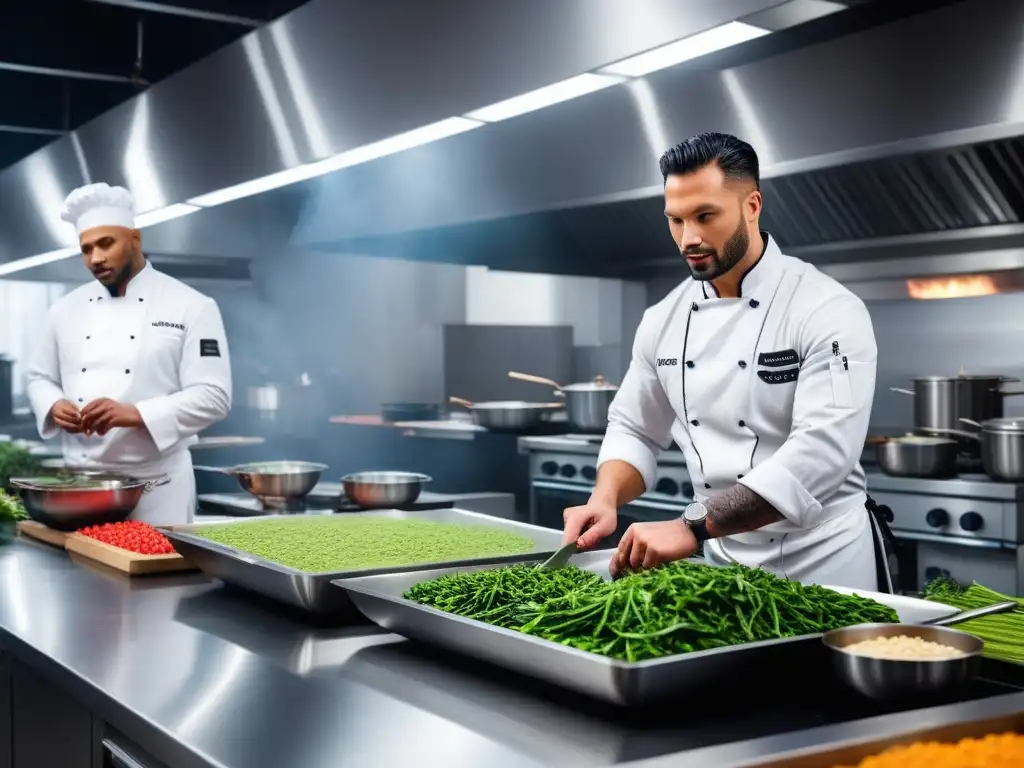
(131, 366)
(762, 369)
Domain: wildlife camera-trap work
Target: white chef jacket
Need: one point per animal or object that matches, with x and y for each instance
(772, 390)
(162, 348)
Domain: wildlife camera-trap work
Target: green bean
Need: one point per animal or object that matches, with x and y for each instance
(677, 608)
(1003, 634)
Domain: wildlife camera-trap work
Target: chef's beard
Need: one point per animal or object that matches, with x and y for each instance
(719, 264)
(118, 280)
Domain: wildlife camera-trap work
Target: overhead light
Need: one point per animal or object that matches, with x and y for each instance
(253, 187)
(687, 49)
(414, 138)
(39, 260)
(160, 215)
(544, 97)
(394, 144)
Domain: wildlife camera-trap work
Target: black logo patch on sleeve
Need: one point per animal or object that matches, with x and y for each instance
(209, 348)
(778, 359)
(779, 377)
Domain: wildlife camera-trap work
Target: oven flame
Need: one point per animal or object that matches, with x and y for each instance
(952, 287)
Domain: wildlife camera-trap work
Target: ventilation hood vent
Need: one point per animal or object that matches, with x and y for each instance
(975, 186)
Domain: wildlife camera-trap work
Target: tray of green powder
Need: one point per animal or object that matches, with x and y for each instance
(294, 558)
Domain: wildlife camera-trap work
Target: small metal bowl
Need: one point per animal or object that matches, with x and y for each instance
(887, 679)
(384, 490)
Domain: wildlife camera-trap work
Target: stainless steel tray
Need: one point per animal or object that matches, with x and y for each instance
(380, 599)
(313, 592)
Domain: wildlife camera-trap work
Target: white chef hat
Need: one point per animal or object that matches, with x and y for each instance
(99, 205)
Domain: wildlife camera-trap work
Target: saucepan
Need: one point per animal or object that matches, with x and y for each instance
(917, 456)
(274, 481)
(586, 402)
(508, 414)
(884, 678)
(67, 502)
(1002, 446)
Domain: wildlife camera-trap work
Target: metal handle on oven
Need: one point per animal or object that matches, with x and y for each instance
(641, 502)
(963, 541)
(120, 756)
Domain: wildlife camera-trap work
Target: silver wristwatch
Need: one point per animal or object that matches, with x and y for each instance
(695, 516)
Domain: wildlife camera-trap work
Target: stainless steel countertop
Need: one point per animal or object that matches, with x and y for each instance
(201, 676)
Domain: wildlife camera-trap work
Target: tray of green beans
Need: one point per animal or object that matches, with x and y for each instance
(294, 558)
(1003, 634)
(632, 640)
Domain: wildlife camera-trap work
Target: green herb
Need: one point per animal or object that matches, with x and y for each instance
(1003, 633)
(11, 507)
(677, 608)
(340, 543)
(15, 461)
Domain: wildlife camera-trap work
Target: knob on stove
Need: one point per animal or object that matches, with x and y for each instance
(971, 521)
(589, 473)
(568, 470)
(667, 486)
(937, 518)
(549, 468)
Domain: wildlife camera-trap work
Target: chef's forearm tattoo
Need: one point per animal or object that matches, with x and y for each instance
(739, 510)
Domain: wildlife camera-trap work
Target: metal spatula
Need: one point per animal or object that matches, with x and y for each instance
(560, 558)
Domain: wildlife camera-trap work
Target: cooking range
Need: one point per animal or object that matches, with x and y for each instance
(563, 471)
(969, 528)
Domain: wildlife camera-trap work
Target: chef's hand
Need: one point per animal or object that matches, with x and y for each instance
(588, 524)
(100, 416)
(66, 416)
(646, 545)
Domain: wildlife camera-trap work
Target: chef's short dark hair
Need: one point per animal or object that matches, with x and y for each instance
(735, 157)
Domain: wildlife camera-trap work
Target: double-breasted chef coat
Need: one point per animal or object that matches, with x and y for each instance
(161, 347)
(772, 390)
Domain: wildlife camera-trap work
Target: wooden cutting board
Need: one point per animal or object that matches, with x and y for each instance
(124, 560)
(41, 532)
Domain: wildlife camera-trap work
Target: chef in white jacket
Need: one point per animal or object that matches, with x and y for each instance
(762, 369)
(131, 366)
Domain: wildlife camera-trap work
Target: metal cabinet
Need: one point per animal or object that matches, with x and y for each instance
(48, 727)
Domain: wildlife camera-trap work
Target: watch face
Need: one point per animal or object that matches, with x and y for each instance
(695, 513)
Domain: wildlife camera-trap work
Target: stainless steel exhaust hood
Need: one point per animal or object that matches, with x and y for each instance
(881, 144)
(327, 84)
(884, 145)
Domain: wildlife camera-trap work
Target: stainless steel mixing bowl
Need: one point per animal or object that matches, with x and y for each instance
(384, 490)
(883, 679)
(73, 501)
(274, 482)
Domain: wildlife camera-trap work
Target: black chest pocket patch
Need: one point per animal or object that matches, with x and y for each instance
(779, 359)
(779, 377)
(209, 348)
